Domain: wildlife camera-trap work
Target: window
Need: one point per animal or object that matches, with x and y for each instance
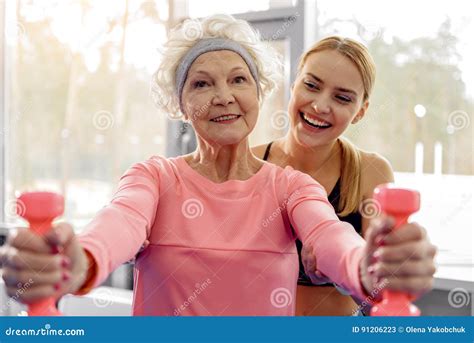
(207, 7)
(420, 114)
(78, 95)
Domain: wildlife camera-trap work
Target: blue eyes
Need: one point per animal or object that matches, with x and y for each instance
(344, 98)
(202, 83)
(240, 79)
(199, 84)
(314, 87)
(311, 85)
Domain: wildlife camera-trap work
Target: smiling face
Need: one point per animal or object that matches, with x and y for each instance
(326, 97)
(220, 98)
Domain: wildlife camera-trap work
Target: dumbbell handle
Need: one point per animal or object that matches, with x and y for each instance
(40, 209)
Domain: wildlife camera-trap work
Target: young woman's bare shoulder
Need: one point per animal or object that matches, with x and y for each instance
(259, 150)
(376, 170)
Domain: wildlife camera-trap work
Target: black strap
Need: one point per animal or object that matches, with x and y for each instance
(267, 151)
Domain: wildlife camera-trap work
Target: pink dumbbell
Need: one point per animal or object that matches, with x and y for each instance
(40, 209)
(398, 203)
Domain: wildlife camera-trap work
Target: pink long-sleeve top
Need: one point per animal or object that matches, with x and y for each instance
(219, 248)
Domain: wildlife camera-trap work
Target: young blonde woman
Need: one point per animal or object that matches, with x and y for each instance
(334, 81)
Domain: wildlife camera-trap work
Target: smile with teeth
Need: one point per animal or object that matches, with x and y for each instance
(226, 117)
(314, 122)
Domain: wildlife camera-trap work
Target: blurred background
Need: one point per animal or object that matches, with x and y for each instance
(76, 109)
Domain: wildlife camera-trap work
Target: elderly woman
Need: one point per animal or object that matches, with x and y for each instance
(218, 220)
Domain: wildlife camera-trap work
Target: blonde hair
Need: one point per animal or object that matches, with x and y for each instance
(350, 195)
(185, 35)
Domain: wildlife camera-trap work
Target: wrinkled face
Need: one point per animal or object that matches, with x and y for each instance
(220, 98)
(326, 97)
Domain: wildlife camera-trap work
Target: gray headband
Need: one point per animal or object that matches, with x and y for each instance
(207, 45)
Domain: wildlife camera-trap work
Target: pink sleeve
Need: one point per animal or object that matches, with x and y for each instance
(337, 246)
(118, 231)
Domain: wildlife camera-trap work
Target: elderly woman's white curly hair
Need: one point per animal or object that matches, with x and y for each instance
(186, 34)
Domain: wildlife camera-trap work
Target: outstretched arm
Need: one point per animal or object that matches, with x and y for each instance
(401, 260)
(118, 231)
